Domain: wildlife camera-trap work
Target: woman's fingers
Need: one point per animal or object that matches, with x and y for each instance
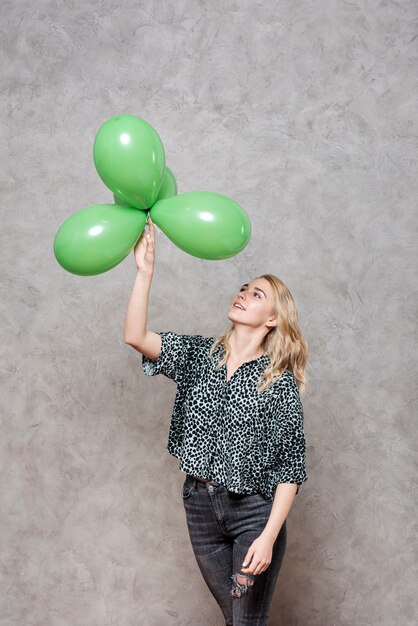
(151, 230)
(150, 241)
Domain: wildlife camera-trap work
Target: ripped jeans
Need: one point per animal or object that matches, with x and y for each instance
(222, 526)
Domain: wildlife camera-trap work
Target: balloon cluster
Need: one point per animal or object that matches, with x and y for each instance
(130, 159)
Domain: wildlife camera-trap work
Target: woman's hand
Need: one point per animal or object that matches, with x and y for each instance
(144, 250)
(258, 557)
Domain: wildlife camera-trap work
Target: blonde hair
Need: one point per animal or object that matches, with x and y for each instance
(284, 343)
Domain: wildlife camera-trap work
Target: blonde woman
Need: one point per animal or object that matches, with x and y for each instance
(237, 428)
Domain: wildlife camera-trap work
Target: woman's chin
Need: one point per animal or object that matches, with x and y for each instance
(231, 315)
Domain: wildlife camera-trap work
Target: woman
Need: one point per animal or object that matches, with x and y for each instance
(237, 428)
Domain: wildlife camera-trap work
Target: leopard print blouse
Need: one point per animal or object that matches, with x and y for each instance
(225, 430)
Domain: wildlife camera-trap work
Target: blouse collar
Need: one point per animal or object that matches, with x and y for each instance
(263, 360)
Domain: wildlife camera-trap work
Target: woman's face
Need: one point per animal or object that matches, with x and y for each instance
(256, 301)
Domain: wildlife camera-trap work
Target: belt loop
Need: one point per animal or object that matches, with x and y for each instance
(193, 480)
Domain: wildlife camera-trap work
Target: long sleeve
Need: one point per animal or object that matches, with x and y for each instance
(287, 457)
(175, 357)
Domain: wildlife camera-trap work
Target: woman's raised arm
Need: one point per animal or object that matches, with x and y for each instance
(136, 334)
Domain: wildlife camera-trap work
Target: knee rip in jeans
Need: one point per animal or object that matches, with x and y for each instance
(242, 582)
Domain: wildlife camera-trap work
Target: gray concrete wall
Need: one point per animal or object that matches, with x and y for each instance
(304, 113)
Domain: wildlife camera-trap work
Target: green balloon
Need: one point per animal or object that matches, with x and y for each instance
(204, 224)
(95, 239)
(121, 202)
(168, 188)
(130, 159)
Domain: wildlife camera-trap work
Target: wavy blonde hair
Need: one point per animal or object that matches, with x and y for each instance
(284, 343)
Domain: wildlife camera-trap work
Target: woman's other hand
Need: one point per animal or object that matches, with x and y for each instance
(258, 556)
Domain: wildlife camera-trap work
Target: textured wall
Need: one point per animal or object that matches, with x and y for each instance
(304, 113)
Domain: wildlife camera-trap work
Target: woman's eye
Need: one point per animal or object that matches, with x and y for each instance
(254, 292)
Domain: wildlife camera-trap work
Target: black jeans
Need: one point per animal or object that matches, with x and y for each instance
(222, 525)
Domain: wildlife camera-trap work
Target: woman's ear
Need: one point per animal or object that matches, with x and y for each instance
(273, 321)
